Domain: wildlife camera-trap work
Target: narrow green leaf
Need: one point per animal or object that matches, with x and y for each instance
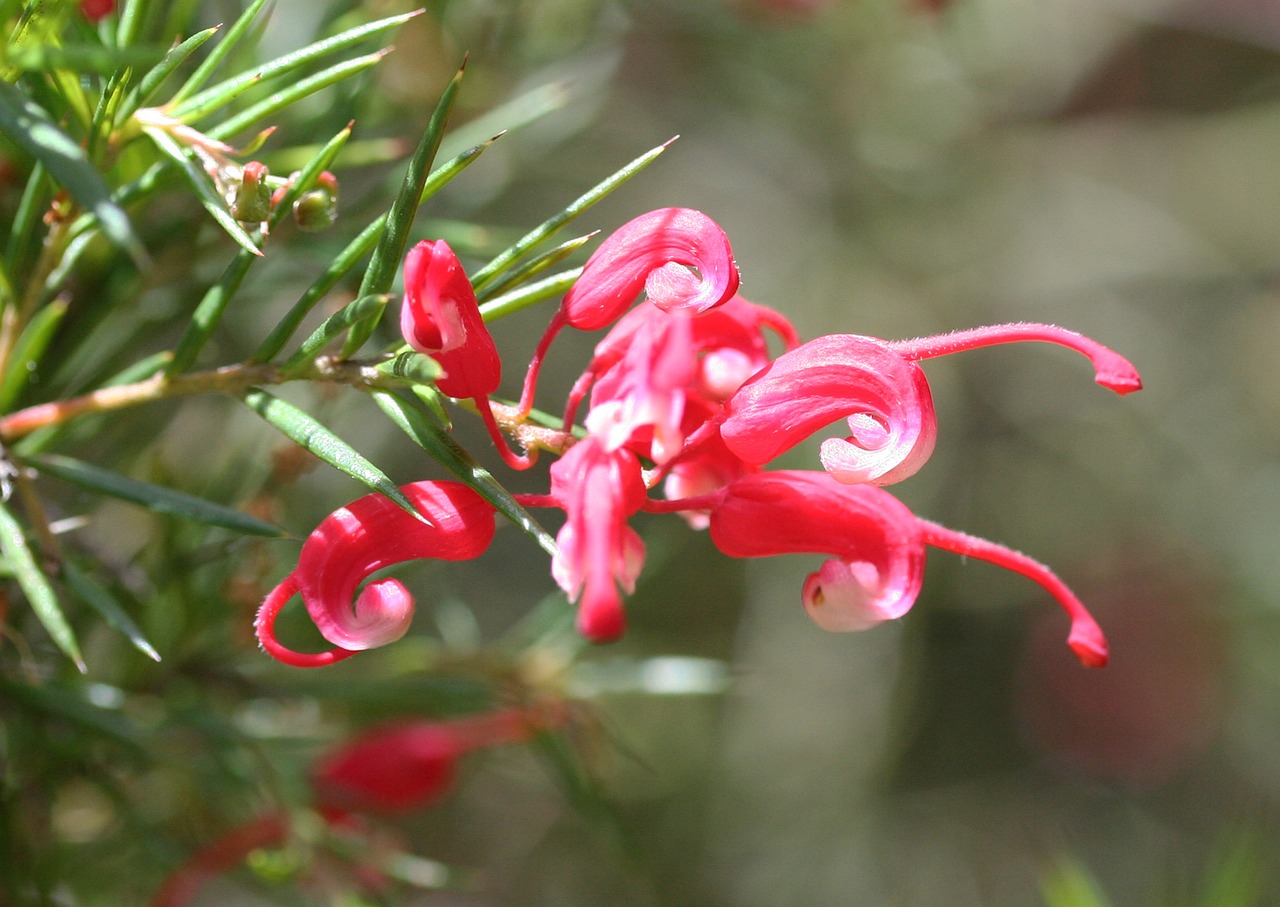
(535, 266)
(296, 91)
(446, 451)
(219, 53)
(156, 498)
(530, 294)
(209, 313)
(385, 261)
(97, 597)
(310, 435)
(224, 92)
(548, 227)
(71, 706)
(26, 354)
(22, 231)
(342, 265)
(28, 126)
(214, 203)
(36, 586)
(156, 76)
(332, 327)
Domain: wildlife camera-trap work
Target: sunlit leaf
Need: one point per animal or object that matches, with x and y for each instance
(97, 597)
(309, 434)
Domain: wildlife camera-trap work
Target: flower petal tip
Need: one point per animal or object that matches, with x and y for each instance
(1091, 648)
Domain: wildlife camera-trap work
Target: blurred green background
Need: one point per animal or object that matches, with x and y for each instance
(883, 169)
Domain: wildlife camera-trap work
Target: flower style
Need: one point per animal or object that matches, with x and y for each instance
(877, 385)
(599, 490)
(878, 546)
(355, 541)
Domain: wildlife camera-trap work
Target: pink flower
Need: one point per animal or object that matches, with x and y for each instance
(679, 257)
(354, 542)
(440, 317)
(878, 546)
(406, 766)
(599, 489)
(877, 386)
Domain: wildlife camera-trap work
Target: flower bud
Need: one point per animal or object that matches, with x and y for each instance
(251, 198)
(317, 209)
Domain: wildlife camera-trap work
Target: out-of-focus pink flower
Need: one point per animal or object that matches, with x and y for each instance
(599, 490)
(93, 10)
(440, 317)
(679, 257)
(406, 766)
(877, 386)
(878, 545)
(357, 540)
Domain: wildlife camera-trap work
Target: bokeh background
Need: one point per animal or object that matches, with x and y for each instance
(883, 167)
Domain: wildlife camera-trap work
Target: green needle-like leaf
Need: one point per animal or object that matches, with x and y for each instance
(28, 126)
(223, 93)
(97, 597)
(156, 76)
(310, 435)
(446, 451)
(219, 53)
(26, 354)
(36, 586)
(530, 294)
(205, 189)
(156, 498)
(548, 227)
(385, 261)
(535, 266)
(295, 92)
(331, 328)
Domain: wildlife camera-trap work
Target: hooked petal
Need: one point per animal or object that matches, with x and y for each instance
(678, 256)
(885, 397)
(372, 533)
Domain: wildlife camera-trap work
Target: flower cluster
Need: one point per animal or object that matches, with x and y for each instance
(686, 405)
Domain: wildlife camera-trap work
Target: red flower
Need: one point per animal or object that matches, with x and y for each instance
(356, 541)
(878, 545)
(440, 317)
(93, 10)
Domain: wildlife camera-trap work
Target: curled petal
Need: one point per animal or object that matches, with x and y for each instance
(884, 396)
(847, 595)
(441, 317)
(366, 536)
(876, 540)
(678, 256)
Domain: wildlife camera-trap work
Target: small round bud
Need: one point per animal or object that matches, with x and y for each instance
(317, 209)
